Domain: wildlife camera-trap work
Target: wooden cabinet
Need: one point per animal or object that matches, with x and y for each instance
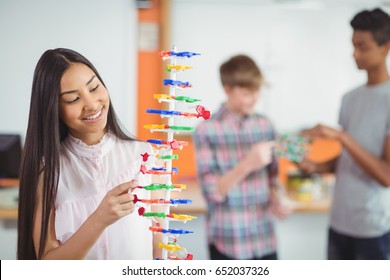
(9, 213)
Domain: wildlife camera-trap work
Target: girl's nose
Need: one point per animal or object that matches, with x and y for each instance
(91, 102)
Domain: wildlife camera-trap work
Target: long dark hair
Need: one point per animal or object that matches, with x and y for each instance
(45, 132)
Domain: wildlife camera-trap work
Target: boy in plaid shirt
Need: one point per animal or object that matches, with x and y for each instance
(237, 169)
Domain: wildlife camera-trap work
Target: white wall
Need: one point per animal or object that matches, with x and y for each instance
(303, 48)
(103, 31)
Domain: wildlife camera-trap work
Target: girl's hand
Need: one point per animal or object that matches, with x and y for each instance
(117, 203)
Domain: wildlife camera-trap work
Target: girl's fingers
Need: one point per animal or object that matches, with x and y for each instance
(125, 198)
(133, 185)
(124, 188)
(121, 189)
(127, 207)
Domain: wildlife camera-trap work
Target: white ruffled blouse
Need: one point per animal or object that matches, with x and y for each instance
(87, 173)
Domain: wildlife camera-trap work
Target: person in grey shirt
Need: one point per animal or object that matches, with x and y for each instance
(360, 216)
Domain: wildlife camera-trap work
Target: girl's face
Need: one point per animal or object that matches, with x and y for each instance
(83, 103)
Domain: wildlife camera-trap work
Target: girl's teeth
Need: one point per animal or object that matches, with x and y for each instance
(94, 116)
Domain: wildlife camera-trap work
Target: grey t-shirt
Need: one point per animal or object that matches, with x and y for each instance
(361, 206)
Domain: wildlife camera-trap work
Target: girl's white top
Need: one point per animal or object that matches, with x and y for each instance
(87, 173)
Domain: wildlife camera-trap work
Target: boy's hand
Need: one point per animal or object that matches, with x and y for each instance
(117, 203)
(260, 155)
(307, 166)
(277, 208)
(322, 131)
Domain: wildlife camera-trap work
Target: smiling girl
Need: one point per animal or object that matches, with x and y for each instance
(78, 169)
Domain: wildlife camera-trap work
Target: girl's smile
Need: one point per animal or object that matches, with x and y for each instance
(92, 118)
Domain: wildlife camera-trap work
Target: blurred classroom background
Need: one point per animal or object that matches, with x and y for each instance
(303, 48)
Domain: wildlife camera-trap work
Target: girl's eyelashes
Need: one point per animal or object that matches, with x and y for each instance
(95, 88)
(77, 98)
(72, 101)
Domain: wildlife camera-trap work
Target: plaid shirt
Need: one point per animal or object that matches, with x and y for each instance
(240, 224)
